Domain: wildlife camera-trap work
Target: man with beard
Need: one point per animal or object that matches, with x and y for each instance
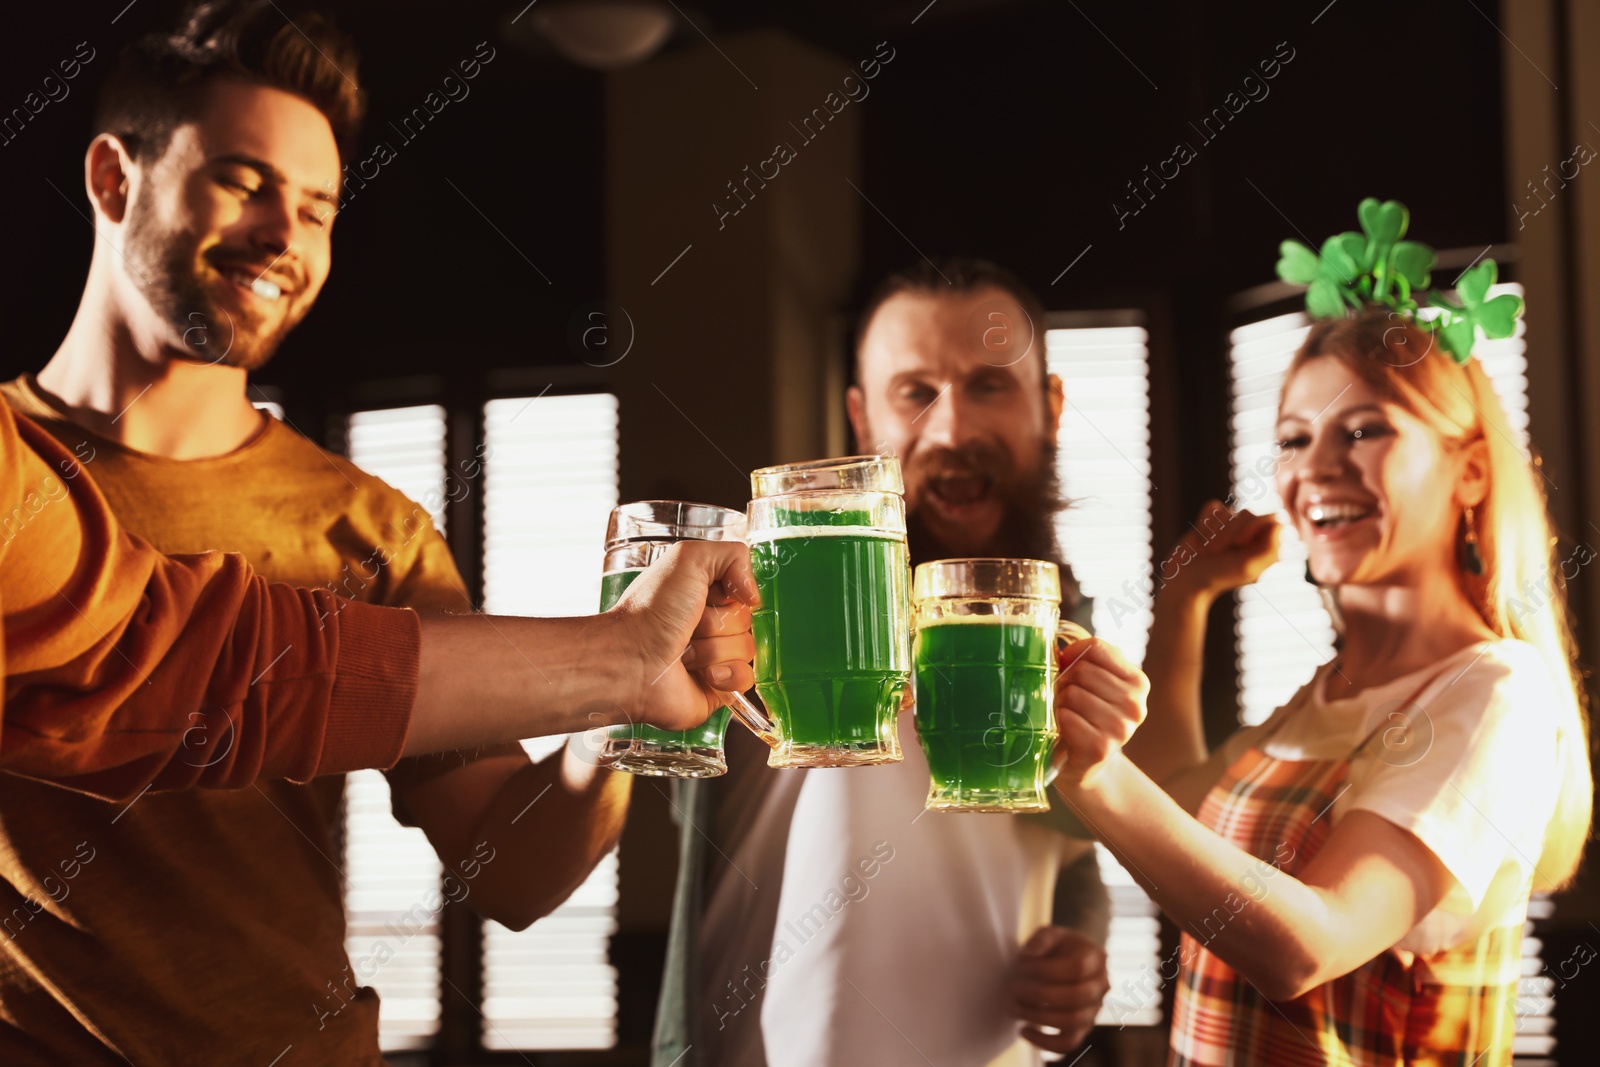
(920, 957)
(211, 925)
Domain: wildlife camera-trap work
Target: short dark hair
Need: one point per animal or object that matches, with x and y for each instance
(961, 274)
(158, 81)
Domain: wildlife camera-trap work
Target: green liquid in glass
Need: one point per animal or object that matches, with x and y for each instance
(983, 703)
(831, 657)
(709, 734)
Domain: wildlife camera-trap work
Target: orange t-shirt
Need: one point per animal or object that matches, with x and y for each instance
(207, 926)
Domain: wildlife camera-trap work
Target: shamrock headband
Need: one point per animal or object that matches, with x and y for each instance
(1376, 267)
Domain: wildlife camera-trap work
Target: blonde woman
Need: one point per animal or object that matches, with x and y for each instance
(1352, 876)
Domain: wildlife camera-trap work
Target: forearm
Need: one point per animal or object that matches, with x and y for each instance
(549, 826)
(1279, 933)
(484, 679)
(213, 679)
(1172, 738)
(126, 669)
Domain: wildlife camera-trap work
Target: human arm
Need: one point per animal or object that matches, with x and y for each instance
(1061, 969)
(1370, 882)
(663, 655)
(1060, 980)
(127, 669)
(208, 651)
(548, 823)
(1222, 551)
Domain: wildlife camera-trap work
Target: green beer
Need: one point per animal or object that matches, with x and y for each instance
(985, 681)
(984, 692)
(833, 661)
(830, 633)
(705, 739)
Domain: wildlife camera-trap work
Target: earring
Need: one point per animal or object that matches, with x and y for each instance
(1469, 550)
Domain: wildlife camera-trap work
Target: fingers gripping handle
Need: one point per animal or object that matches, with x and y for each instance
(1067, 634)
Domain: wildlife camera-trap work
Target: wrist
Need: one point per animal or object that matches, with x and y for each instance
(1184, 595)
(1100, 788)
(618, 659)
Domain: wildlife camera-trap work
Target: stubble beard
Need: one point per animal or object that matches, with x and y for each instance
(166, 270)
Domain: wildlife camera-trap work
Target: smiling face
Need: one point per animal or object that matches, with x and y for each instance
(951, 384)
(1370, 488)
(227, 237)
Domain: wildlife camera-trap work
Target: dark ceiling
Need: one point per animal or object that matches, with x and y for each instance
(1009, 128)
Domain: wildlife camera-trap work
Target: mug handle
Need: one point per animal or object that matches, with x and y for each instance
(1067, 633)
(753, 717)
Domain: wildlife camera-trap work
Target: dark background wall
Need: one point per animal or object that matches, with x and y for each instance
(1006, 128)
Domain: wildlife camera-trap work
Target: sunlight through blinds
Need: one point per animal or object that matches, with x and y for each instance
(392, 896)
(1104, 462)
(550, 482)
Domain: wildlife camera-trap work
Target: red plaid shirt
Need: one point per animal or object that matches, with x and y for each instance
(1456, 1007)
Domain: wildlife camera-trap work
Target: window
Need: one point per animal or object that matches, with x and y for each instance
(550, 481)
(392, 904)
(1103, 458)
(1104, 463)
(1283, 631)
(268, 398)
(391, 873)
(406, 448)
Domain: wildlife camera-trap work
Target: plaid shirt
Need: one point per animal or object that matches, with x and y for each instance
(1455, 1008)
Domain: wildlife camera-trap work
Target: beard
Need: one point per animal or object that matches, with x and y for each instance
(166, 269)
(1027, 528)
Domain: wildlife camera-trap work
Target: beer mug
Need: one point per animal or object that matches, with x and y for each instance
(636, 536)
(988, 637)
(828, 546)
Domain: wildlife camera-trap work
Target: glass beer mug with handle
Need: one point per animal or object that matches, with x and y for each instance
(828, 546)
(636, 536)
(988, 633)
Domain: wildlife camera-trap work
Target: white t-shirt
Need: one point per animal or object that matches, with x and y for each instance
(1475, 776)
(910, 963)
(737, 951)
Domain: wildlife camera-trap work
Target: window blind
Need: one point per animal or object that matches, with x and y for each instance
(550, 482)
(1104, 462)
(1103, 459)
(392, 876)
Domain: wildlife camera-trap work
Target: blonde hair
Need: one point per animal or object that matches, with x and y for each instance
(1519, 593)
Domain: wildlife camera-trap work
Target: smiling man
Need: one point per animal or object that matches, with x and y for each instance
(950, 953)
(952, 378)
(210, 928)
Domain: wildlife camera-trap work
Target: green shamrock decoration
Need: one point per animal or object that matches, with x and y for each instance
(1376, 266)
(1355, 269)
(1328, 275)
(1459, 323)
